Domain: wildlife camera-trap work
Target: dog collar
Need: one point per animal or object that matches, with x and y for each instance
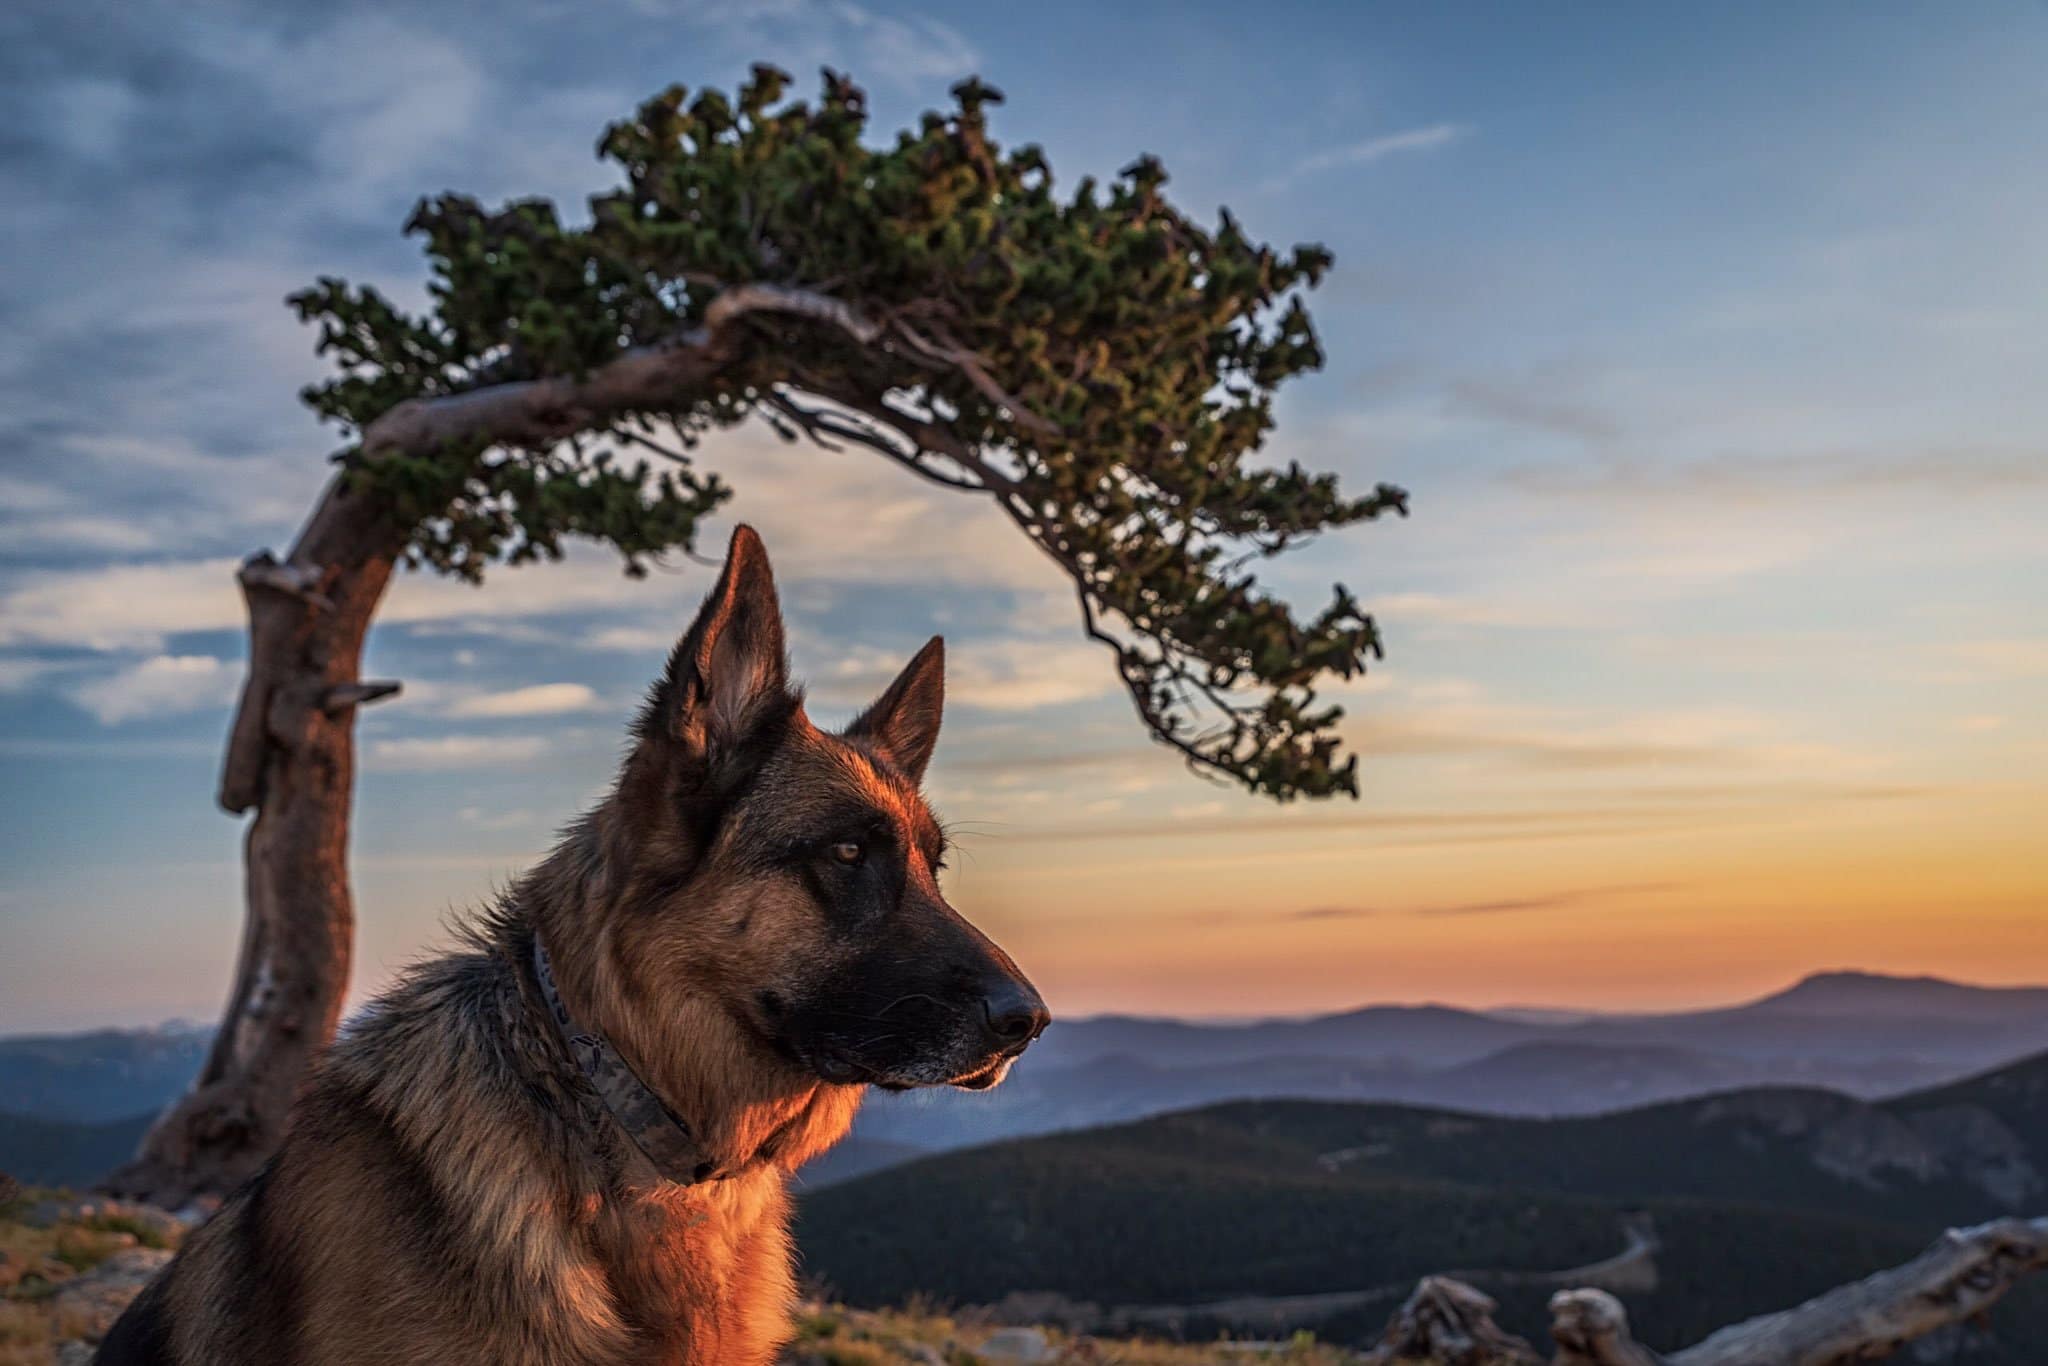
(667, 1141)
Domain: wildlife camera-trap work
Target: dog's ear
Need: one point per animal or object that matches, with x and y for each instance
(904, 720)
(729, 675)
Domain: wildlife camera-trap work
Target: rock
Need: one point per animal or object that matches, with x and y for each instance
(198, 1210)
(161, 1224)
(1016, 1344)
(76, 1354)
(164, 1226)
(88, 1305)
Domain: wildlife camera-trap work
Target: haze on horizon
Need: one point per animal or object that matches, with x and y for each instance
(1707, 341)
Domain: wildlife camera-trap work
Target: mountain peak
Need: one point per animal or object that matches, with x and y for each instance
(1848, 990)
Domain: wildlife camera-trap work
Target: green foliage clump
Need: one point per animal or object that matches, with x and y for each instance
(1099, 364)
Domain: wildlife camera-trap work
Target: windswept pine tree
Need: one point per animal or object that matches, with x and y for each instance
(1095, 362)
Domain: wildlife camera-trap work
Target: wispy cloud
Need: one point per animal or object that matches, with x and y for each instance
(905, 51)
(1538, 408)
(20, 672)
(992, 675)
(1975, 471)
(1549, 901)
(2011, 658)
(1506, 905)
(457, 751)
(165, 685)
(1423, 139)
(542, 699)
(477, 818)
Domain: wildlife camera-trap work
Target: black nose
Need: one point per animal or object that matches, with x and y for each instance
(1013, 1012)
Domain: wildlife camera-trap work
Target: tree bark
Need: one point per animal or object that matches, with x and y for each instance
(290, 757)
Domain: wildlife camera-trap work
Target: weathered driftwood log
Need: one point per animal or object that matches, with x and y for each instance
(1963, 1274)
(1968, 1270)
(1591, 1329)
(1448, 1323)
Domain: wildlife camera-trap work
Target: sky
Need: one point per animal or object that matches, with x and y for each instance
(1707, 339)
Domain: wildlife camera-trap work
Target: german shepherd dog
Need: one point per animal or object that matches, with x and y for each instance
(567, 1143)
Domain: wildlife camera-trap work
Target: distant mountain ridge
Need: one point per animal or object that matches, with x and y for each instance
(100, 1075)
(1867, 993)
(1861, 1033)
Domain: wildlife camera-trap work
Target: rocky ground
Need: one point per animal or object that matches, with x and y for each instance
(70, 1264)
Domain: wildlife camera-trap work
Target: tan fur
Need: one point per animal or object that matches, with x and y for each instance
(451, 1189)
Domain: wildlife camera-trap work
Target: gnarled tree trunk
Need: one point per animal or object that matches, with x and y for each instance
(290, 757)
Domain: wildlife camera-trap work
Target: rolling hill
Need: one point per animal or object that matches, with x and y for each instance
(1757, 1199)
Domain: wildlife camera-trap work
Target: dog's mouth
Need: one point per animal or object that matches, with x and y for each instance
(988, 1076)
(841, 1069)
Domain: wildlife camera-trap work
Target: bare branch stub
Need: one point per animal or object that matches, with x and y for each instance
(263, 572)
(342, 696)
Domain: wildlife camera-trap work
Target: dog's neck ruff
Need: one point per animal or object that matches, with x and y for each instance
(669, 1143)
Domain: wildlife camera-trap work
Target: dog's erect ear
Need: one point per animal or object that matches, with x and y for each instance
(904, 720)
(728, 674)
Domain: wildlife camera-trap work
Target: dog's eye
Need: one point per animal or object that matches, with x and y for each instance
(847, 852)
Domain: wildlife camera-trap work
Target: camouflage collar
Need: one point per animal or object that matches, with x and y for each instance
(667, 1141)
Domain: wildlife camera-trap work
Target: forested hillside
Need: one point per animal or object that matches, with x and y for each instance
(1751, 1201)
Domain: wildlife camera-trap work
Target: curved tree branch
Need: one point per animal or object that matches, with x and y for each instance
(537, 413)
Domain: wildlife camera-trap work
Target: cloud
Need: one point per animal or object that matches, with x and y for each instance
(1987, 660)
(1364, 153)
(479, 819)
(1548, 901)
(457, 751)
(165, 685)
(1024, 675)
(542, 699)
(906, 51)
(990, 675)
(120, 606)
(1444, 609)
(18, 673)
(1750, 476)
(1512, 404)
(630, 639)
